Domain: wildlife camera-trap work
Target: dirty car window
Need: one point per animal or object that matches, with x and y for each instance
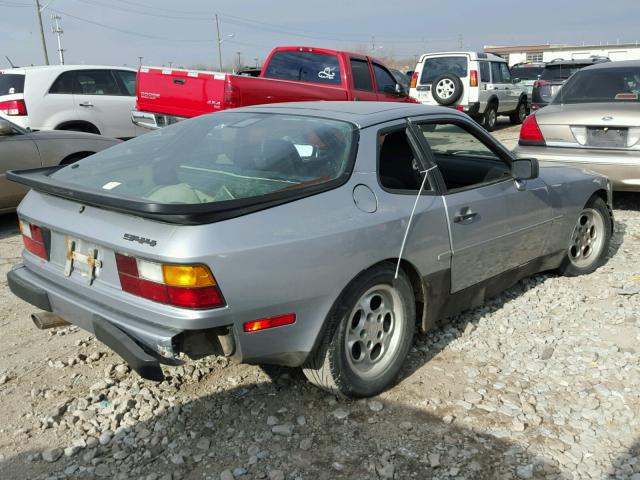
(224, 156)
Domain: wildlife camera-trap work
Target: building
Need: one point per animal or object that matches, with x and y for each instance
(548, 52)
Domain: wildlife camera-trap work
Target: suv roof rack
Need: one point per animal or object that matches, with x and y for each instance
(591, 59)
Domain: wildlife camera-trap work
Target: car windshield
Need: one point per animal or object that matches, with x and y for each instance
(11, 83)
(218, 157)
(436, 66)
(602, 85)
(526, 73)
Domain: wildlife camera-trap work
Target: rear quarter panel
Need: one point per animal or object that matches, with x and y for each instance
(258, 90)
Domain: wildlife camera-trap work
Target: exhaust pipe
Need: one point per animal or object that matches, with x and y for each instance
(44, 320)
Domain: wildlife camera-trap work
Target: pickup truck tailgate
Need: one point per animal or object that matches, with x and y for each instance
(183, 93)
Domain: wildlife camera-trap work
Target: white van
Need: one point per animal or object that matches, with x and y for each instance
(93, 99)
(478, 84)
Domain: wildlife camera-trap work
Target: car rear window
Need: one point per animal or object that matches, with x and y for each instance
(526, 73)
(559, 72)
(434, 67)
(11, 83)
(305, 66)
(602, 85)
(224, 156)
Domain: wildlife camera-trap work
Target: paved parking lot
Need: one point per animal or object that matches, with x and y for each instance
(542, 382)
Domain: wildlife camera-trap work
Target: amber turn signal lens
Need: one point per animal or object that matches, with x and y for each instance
(187, 276)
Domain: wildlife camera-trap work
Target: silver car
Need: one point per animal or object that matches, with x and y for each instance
(593, 122)
(20, 148)
(317, 235)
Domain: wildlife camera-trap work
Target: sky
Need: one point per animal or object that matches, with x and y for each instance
(164, 32)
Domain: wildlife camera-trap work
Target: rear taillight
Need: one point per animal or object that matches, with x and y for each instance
(231, 96)
(530, 133)
(473, 78)
(13, 107)
(35, 239)
(541, 83)
(188, 286)
(414, 80)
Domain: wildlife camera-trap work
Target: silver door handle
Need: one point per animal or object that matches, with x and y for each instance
(86, 104)
(464, 216)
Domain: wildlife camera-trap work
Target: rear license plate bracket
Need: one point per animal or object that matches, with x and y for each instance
(87, 263)
(607, 137)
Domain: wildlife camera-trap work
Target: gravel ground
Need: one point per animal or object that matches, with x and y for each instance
(542, 382)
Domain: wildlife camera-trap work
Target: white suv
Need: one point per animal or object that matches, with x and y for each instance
(479, 84)
(93, 99)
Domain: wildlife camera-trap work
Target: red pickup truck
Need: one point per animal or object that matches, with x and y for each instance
(290, 74)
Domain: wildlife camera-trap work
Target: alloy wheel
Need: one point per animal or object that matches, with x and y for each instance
(587, 239)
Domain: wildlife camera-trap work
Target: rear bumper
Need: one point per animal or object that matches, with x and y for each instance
(620, 168)
(153, 121)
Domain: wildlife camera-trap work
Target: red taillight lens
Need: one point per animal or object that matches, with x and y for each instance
(414, 80)
(33, 238)
(231, 96)
(271, 322)
(541, 83)
(530, 133)
(188, 286)
(473, 79)
(13, 107)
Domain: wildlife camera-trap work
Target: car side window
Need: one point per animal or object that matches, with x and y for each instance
(384, 79)
(361, 75)
(128, 80)
(63, 84)
(462, 158)
(398, 167)
(506, 74)
(484, 72)
(496, 73)
(95, 82)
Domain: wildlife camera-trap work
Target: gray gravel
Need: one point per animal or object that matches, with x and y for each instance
(541, 382)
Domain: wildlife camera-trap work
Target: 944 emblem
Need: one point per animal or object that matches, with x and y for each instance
(140, 240)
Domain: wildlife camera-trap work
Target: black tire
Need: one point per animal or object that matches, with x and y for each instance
(490, 117)
(446, 89)
(589, 241)
(520, 113)
(333, 366)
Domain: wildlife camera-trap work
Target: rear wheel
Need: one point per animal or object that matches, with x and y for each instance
(519, 114)
(446, 89)
(490, 117)
(589, 241)
(369, 335)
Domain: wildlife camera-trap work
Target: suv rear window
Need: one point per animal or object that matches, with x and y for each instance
(215, 158)
(526, 73)
(11, 83)
(560, 72)
(434, 67)
(305, 66)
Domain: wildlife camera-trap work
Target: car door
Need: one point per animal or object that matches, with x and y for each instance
(512, 92)
(100, 100)
(386, 85)
(17, 151)
(361, 79)
(496, 224)
(498, 87)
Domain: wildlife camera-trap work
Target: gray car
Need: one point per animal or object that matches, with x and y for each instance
(317, 235)
(593, 122)
(20, 148)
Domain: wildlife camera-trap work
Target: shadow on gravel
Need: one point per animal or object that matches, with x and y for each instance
(8, 225)
(232, 430)
(628, 464)
(626, 201)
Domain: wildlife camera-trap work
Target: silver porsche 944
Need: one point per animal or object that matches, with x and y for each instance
(318, 235)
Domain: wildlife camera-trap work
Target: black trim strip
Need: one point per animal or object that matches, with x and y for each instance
(27, 292)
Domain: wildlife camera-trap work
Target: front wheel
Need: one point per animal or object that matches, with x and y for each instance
(589, 241)
(368, 336)
(519, 114)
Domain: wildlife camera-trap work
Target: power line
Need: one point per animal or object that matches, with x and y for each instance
(139, 12)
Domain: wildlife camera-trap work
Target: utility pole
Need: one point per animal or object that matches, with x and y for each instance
(256, 60)
(219, 44)
(140, 60)
(58, 31)
(239, 60)
(44, 44)
(460, 43)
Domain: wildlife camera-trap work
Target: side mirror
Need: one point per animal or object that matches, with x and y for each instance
(395, 90)
(525, 168)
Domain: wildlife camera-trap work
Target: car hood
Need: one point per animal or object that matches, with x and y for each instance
(597, 114)
(69, 135)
